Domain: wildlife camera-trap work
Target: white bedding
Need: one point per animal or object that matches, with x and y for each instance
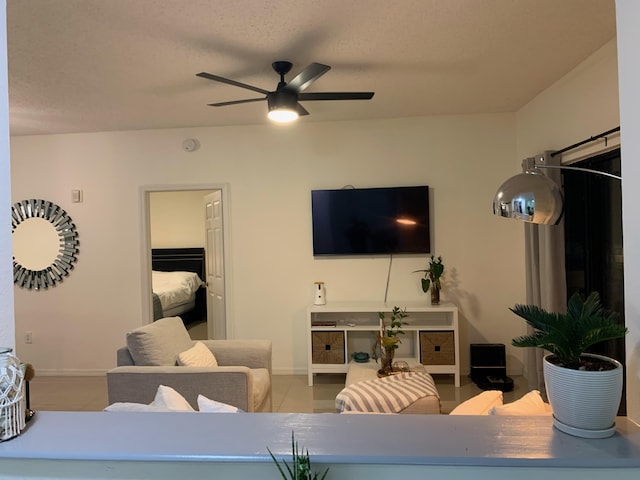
(175, 288)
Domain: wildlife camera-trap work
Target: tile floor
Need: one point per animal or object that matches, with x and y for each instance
(290, 392)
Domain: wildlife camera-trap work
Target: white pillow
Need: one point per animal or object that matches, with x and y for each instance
(134, 407)
(167, 397)
(207, 405)
(168, 400)
(529, 404)
(481, 404)
(197, 356)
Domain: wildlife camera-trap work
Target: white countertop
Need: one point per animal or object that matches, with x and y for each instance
(330, 438)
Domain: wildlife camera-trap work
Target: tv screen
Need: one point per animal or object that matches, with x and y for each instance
(371, 221)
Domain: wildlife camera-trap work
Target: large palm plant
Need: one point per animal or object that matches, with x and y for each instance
(568, 335)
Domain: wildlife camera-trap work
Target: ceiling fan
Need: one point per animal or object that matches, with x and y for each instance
(283, 101)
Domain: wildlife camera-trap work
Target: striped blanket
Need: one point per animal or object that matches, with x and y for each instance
(390, 394)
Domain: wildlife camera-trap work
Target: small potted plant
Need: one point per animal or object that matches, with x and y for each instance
(387, 340)
(300, 468)
(431, 279)
(584, 389)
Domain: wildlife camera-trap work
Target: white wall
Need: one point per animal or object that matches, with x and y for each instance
(581, 104)
(270, 172)
(7, 336)
(176, 219)
(628, 16)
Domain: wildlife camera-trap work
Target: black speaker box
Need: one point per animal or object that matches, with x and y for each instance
(489, 367)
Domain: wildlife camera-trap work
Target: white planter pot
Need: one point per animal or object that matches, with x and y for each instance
(584, 403)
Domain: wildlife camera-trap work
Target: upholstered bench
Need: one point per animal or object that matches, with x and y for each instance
(365, 392)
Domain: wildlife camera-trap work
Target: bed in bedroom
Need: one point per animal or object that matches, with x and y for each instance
(177, 283)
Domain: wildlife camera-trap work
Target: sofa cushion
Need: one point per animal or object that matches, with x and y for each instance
(159, 343)
(529, 404)
(261, 385)
(480, 404)
(197, 356)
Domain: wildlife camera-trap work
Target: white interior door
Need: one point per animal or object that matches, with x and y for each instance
(214, 254)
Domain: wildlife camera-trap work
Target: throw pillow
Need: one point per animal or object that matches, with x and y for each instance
(133, 407)
(207, 405)
(529, 404)
(197, 356)
(158, 343)
(481, 404)
(167, 397)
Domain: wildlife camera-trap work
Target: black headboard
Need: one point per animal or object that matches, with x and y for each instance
(179, 260)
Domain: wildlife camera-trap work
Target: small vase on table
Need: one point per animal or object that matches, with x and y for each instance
(435, 294)
(386, 361)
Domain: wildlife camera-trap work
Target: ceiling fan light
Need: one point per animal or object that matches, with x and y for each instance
(282, 115)
(283, 106)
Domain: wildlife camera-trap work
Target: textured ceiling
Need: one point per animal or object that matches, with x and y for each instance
(104, 65)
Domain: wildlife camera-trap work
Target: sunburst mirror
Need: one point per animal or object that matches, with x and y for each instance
(45, 244)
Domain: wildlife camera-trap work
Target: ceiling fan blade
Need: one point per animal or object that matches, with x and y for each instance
(307, 76)
(236, 102)
(335, 96)
(216, 78)
(301, 110)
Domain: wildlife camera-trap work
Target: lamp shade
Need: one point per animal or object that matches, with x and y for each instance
(530, 197)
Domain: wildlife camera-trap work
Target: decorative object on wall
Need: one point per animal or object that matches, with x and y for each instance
(584, 390)
(45, 244)
(387, 340)
(531, 196)
(319, 297)
(283, 101)
(431, 279)
(12, 415)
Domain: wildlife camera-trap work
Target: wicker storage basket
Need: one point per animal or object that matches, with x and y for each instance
(437, 348)
(327, 347)
(12, 415)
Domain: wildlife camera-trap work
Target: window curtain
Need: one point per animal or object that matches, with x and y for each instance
(545, 275)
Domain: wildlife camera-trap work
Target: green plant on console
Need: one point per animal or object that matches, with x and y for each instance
(568, 335)
(388, 335)
(432, 274)
(387, 340)
(300, 469)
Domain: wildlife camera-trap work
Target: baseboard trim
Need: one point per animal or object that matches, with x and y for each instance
(70, 373)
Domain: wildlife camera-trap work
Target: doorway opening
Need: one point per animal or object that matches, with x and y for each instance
(184, 233)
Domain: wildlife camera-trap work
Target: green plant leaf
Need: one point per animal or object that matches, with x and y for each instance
(568, 335)
(301, 464)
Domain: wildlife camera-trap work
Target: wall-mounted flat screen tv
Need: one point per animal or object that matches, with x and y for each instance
(371, 221)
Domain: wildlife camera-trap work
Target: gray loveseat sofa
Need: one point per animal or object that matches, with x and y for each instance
(242, 377)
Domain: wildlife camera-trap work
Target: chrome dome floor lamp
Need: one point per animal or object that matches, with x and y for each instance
(533, 197)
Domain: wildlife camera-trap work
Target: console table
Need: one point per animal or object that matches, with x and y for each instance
(337, 330)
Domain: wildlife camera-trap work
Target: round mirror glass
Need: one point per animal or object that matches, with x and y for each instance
(35, 244)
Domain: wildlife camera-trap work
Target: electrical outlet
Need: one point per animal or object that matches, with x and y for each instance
(28, 337)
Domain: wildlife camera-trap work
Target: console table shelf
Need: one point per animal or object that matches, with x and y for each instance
(337, 330)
